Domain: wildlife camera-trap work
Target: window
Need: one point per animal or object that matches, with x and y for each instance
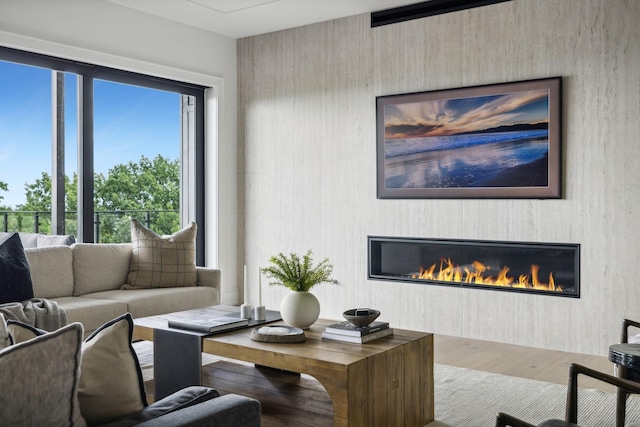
(86, 147)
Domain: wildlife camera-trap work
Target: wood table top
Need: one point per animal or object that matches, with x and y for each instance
(238, 343)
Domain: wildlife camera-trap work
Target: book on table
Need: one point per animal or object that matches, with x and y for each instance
(209, 324)
(348, 328)
(358, 339)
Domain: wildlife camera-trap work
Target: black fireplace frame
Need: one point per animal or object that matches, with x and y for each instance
(373, 259)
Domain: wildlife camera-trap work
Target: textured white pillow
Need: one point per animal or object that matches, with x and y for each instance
(39, 380)
(54, 240)
(21, 332)
(110, 380)
(161, 261)
(111, 384)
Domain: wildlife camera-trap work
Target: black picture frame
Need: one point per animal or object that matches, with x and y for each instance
(492, 141)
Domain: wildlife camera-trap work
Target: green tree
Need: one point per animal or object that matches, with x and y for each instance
(3, 187)
(146, 185)
(38, 196)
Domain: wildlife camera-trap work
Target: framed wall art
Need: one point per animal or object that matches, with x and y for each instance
(491, 141)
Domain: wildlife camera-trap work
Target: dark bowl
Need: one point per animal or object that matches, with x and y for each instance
(361, 319)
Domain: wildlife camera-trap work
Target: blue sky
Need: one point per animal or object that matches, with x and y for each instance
(129, 122)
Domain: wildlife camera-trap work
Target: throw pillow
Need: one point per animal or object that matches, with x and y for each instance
(111, 384)
(55, 240)
(5, 338)
(21, 332)
(15, 278)
(161, 261)
(40, 378)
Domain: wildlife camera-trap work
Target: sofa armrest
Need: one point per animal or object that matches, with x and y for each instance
(230, 410)
(208, 277)
(196, 406)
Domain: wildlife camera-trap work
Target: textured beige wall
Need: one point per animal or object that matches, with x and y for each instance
(307, 148)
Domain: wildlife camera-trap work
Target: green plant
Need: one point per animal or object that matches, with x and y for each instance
(297, 274)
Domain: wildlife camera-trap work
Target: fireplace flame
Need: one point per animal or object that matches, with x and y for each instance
(479, 274)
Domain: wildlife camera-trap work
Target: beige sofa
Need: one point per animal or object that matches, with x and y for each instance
(85, 279)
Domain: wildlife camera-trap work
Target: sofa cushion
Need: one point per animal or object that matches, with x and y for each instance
(29, 240)
(44, 393)
(35, 240)
(15, 279)
(43, 240)
(111, 384)
(51, 271)
(99, 267)
(161, 261)
(92, 313)
(149, 302)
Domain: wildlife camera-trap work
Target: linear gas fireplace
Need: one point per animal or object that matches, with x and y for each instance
(541, 268)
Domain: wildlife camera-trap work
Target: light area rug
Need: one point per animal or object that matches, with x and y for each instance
(469, 398)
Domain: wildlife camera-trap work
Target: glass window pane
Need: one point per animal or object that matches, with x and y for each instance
(137, 140)
(25, 136)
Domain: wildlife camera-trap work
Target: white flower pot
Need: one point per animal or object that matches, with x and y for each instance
(300, 309)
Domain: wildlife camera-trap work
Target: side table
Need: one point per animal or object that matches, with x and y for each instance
(627, 359)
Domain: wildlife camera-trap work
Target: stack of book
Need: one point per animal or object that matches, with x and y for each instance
(348, 332)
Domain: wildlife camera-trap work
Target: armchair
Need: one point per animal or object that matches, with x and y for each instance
(571, 414)
(624, 337)
(624, 372)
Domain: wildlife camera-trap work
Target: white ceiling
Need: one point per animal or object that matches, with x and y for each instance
(243, 18)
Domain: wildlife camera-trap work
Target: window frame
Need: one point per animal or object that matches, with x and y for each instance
(87, 73)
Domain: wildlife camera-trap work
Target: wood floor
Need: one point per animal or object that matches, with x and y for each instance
(517, 361)
(299, 400)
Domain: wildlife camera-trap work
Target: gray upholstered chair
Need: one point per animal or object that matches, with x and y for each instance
(571, 415)
(626, 373)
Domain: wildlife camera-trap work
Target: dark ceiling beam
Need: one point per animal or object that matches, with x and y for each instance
(424, 9)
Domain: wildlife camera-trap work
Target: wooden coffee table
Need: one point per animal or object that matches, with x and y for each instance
(388, 381)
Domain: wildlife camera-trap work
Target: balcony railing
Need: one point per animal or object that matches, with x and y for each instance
(108, 226)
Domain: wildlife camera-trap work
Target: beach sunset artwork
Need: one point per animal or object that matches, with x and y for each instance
(492, 142)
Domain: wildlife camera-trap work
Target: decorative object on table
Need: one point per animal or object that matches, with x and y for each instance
(245, 309)
(489, 153)
(278, 334)
(348, 328)
(208, 324)
(358, 339)
(259, 311)
(300, 308)
(361, 316)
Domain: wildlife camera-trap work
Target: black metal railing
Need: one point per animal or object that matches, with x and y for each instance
(108, 226)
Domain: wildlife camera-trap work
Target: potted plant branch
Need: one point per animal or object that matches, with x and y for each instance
(300, 308)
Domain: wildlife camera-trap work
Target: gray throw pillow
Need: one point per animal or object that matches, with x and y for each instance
(111, 384)
(15, 278)
(39, 380)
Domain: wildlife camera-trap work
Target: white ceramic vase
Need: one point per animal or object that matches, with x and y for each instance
(300, 309)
